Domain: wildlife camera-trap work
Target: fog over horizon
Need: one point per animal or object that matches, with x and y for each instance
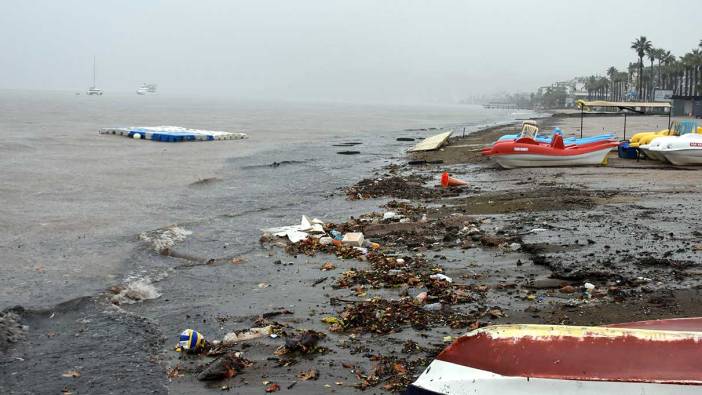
(374, 51)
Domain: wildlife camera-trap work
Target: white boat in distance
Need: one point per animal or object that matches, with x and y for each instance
(146, 89)
(94, 90)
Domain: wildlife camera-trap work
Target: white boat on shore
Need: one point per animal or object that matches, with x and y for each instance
(682, 132)
(682, 151)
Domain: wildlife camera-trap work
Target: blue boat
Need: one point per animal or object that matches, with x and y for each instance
(566, 141)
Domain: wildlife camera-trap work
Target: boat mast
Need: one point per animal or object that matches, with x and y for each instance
(93, 71)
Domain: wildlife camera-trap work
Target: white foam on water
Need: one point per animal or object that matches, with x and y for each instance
(136, 291)
(165, 238)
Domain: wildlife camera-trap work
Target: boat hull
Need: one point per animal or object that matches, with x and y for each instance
(646, 357)
(512, 161)
(683, 157)
(652, 153)
(448, 378)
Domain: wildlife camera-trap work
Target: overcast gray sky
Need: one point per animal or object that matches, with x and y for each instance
(395, 51)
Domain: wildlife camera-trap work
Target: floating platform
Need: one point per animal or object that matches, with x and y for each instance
(172, 134)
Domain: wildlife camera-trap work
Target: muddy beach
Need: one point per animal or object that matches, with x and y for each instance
(514, 246)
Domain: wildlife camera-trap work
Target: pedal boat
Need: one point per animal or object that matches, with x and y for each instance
(527, 152)
(530, 129)
(685, 150)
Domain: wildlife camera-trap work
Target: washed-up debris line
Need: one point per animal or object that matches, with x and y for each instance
(402, 187)
(382, 316)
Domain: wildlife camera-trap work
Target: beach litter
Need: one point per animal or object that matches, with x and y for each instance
(297, 233)
(448, 181)
(224, 367)
(311, 374)
(253, 333)
(303, 343)
(354, 239)
(191, 341)
(171, 134)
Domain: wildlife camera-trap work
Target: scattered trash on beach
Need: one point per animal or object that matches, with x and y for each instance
(401, 187)
(297, 233)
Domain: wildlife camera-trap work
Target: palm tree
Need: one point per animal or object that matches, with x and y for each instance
(688, 63)
(623, 78)
(658, 54)
(696, 63)
(612, 73)
(664, 57)
(641, 46)
(651, 54)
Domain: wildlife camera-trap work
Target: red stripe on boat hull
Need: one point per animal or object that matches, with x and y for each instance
(622, 358)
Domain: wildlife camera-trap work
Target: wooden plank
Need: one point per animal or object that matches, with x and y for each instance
(431, 143)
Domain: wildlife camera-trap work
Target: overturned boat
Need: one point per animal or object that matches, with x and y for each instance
(646, 357)
(527, 152)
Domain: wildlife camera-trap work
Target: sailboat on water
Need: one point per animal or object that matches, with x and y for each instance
(94, 90)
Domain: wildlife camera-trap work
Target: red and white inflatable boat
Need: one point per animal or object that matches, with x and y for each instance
(647, 357)
(527, 152)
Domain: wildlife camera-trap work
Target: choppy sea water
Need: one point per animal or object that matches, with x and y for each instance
(74, 203)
